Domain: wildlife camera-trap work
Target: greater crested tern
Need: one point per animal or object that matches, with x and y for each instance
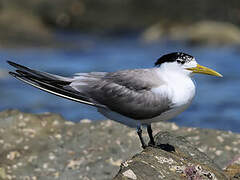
(132, 97)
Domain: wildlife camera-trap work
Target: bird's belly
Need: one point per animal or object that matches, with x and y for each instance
(167, 114)
(135, 123)
(119, 118)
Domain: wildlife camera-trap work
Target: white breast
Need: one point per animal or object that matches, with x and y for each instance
(181, 90)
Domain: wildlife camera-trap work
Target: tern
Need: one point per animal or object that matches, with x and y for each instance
(136, 97)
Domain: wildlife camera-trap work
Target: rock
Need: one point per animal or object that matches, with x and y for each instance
(186, 161)
(117, 16)
(233, 171)
(213, 33)
(200, 33)
(22, 28)
(103, 17)
(2, 173)
(154, 33)
(233, 168)
(48, 147)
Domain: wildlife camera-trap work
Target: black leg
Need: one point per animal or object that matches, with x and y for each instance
(149, 130)
(139, 132)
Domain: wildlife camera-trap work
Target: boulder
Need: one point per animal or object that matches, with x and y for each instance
(200, 33)
(173, 158)
(213, 33)
(21, 28)
(28, 22)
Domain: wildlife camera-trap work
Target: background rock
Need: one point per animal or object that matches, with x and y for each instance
(215, 33)
(20, 27)
(33, 22)
(200, 33)
(47, 146)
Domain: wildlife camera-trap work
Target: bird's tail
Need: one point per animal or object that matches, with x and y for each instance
(50, 83)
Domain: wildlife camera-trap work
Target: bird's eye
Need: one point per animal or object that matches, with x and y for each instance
(178, 61)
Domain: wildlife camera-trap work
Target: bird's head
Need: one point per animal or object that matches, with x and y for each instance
(183, 63)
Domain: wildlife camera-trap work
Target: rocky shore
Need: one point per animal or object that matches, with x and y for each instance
(42, 147)
(174, 158)
(34, 23)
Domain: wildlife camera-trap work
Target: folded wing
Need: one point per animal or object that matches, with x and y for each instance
(127, 92)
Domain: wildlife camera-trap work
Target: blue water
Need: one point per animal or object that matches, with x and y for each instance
(217, 102)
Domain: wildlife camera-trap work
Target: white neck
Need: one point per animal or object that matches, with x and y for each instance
(182, 88)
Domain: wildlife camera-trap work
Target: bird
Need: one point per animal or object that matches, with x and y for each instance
(134, 97)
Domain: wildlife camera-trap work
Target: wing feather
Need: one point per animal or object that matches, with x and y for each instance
(53, 84)
(130, 93)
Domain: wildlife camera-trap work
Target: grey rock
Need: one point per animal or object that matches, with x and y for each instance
(46, 147)
(33, 22)
(233, 168)
(200, 33)
(23, 28)
(214, 33)
(184, 161)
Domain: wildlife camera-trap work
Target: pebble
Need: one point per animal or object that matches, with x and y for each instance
(13, 155)
(220, 139)
(130, 174)
(218, 152)
(58, 136)
(51, 156)
(85, 121)
(114, 163)
(228, 148)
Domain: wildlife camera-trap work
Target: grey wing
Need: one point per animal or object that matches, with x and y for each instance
(126, 92)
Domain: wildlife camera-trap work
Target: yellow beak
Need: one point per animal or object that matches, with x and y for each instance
(204, 70)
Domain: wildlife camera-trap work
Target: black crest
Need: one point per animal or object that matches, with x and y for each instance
(180, 57)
